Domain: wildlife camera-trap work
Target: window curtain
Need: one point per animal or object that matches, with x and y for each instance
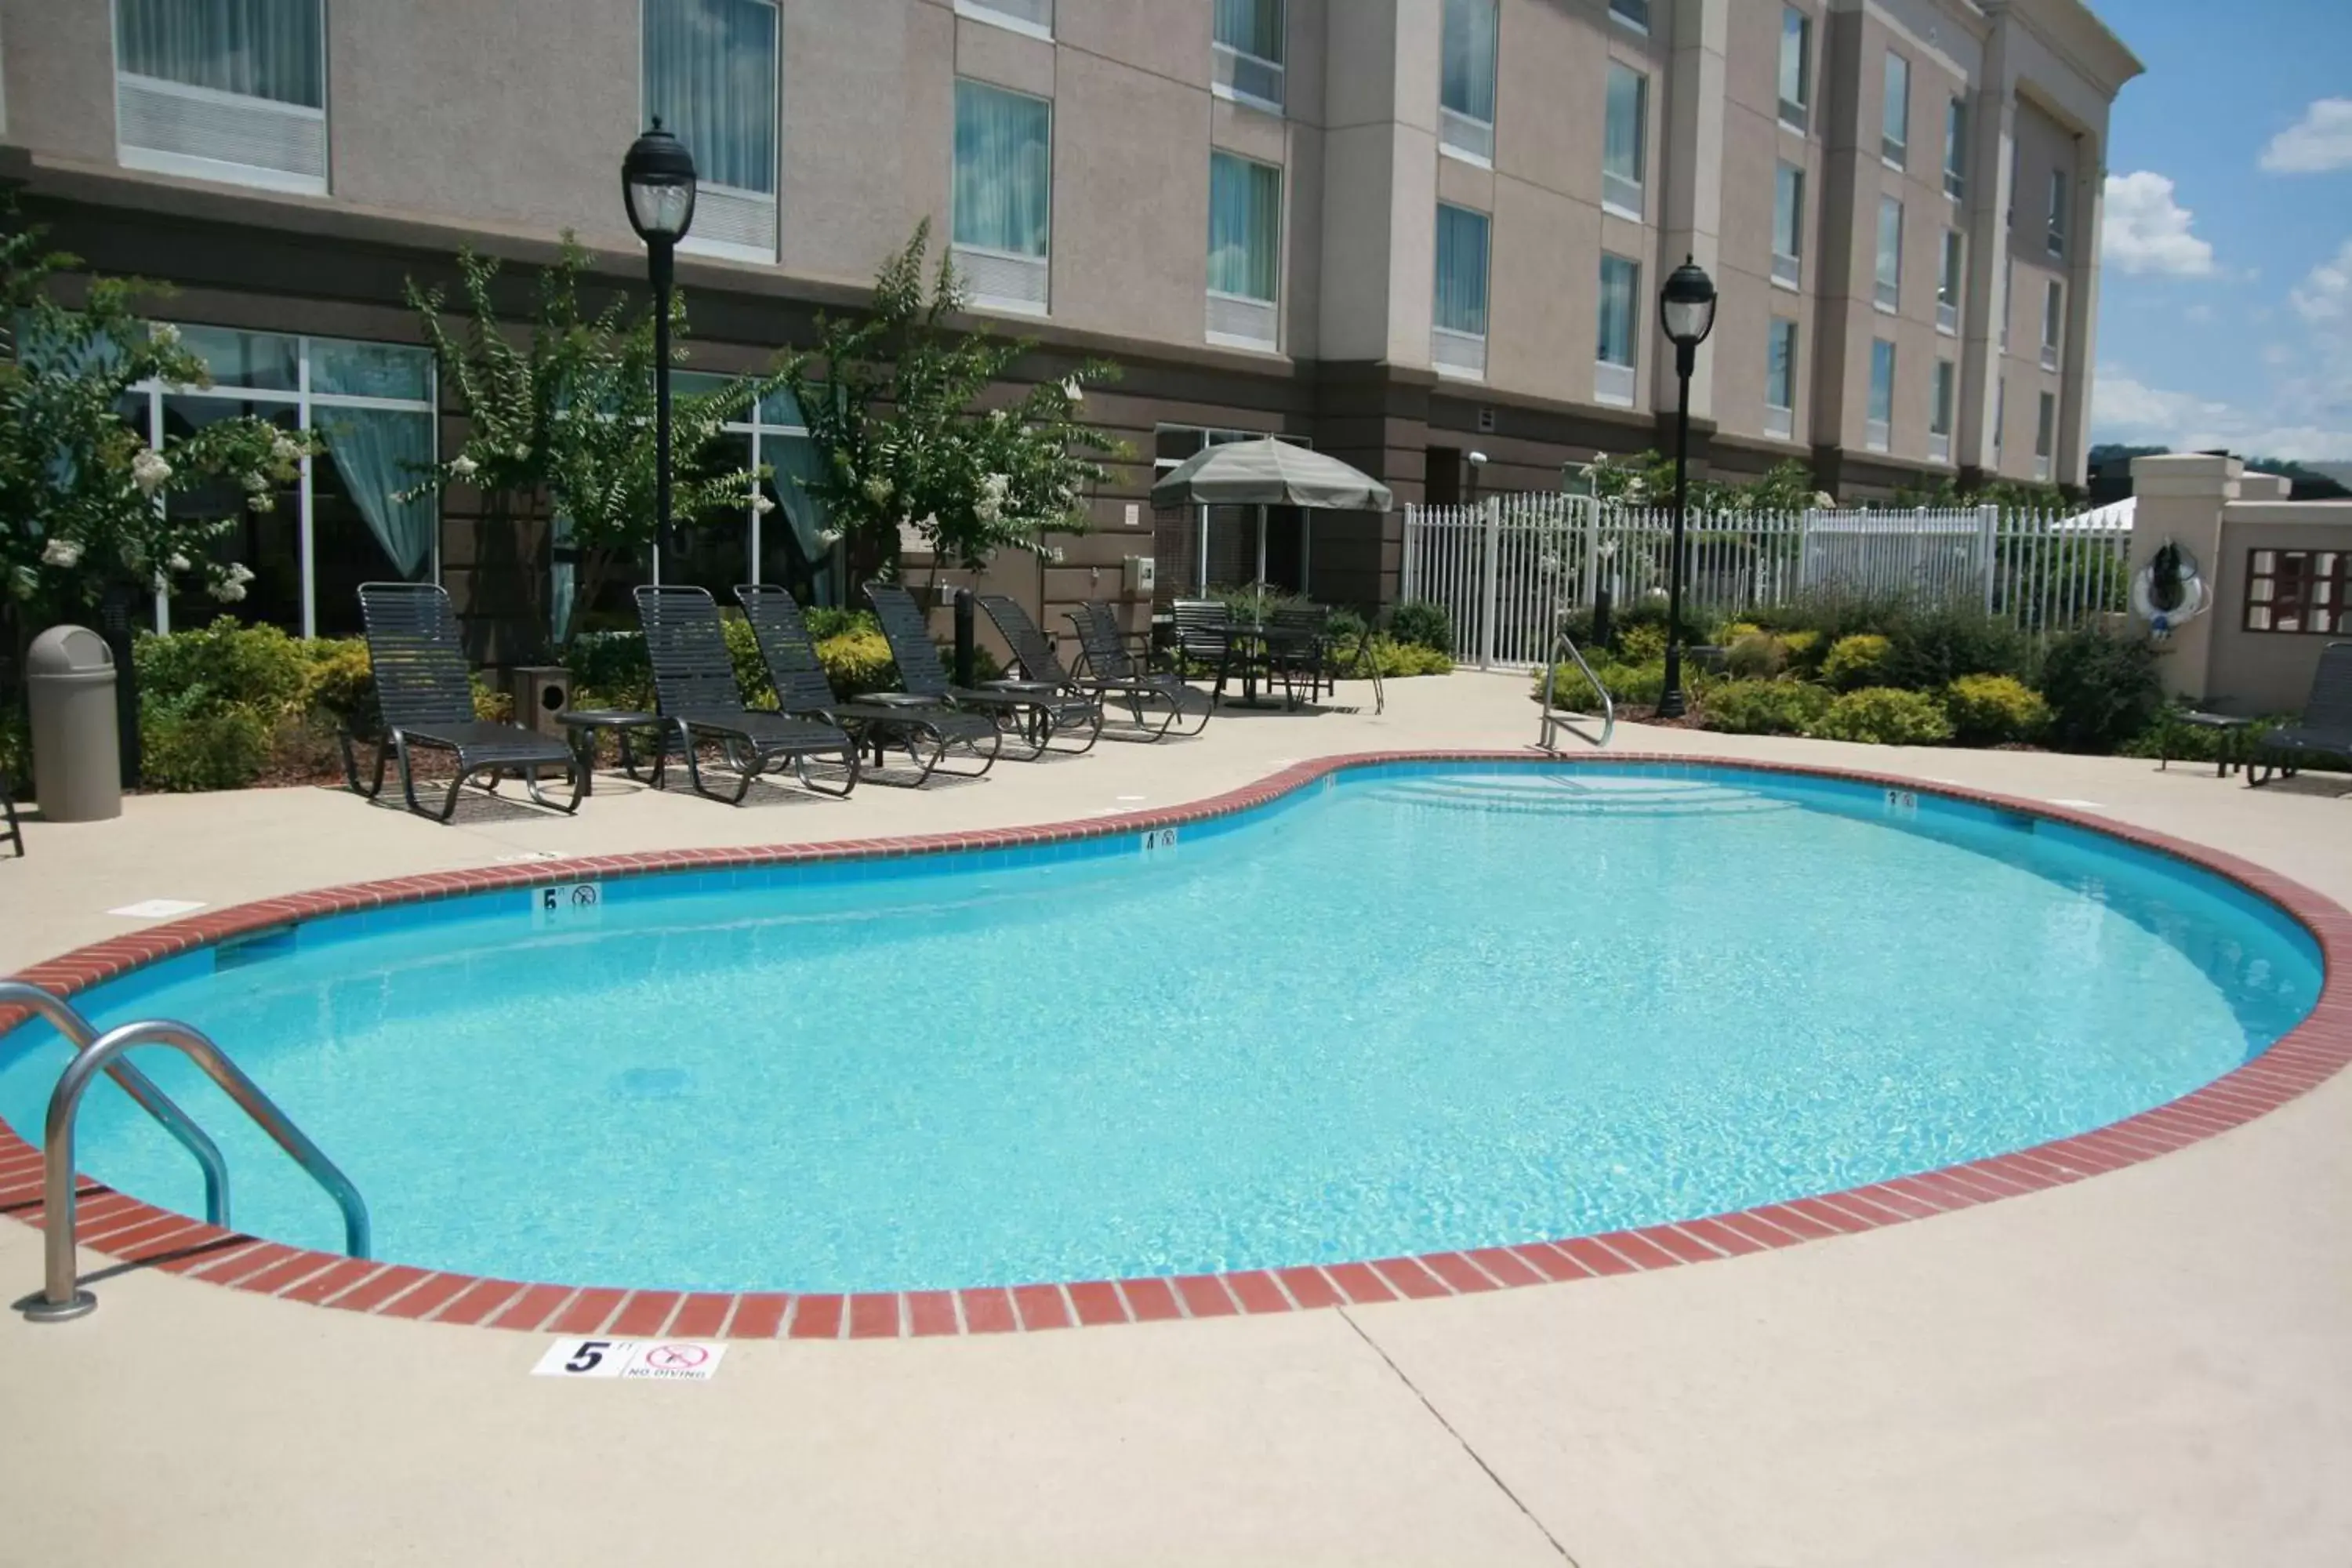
(1794, 26)
(381, 453)
(1003, 170)
(1251, 26)
(1620, 280)
(1621, 148)
(562, 580)
(1244, 226)
(711, 77)
(1896, 116)
(1788, 210)
(1882, 380)
(259, 48)
(1467, 83)
(1890, 241)
(1780, 371)
(798, 464)
(1462, 270)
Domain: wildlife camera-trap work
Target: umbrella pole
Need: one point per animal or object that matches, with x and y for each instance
(1202, 572)
(1261, 560)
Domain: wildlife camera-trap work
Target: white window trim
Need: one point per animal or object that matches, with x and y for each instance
(1232, 94)
(302, 400)
(161, 161)
(729, 250)
(1640, 30)
(980, 11)
(997, 303)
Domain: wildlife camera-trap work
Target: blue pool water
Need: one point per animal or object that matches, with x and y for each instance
(1414, 1008)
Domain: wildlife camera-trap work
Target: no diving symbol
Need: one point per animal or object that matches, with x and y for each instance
(675, 1358)
(583, 896)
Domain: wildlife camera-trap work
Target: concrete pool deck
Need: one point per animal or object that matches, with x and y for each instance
(2151, 1366)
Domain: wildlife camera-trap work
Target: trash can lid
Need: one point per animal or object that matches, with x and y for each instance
(68, 650)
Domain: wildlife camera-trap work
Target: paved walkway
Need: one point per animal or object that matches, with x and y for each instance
(2152, 1367)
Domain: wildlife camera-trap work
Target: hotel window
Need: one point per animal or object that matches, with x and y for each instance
(2008, 296)
(1939, 413)
(1034, 17)
(1895, 112)
(1796, 66)
(1956, 148)
(1248, 52)
(785, 546)
(2297, 591)
(1890, 252)
(1788, 224)
(1244, 251)
(1004, 196)
(1614, 354)
(1458, 330)
(1780, 379)
(1466, 92)
(1879, 435)
(2053, 321)
(1634, 14)
(1948, 274)
(2057, 212)
(1999, 417)
(1623, 141)
(2045, 436)
(344, 520)
(216, 90)
(711, 77)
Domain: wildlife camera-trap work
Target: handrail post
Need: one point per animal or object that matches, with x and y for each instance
(61, 1297)
(62, 1017)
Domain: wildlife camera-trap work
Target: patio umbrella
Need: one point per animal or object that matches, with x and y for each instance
(1267, 473)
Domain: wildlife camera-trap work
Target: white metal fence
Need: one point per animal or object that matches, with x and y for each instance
(1509, 567)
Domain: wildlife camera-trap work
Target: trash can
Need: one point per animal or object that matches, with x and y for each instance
(541, 693)
(76, 745)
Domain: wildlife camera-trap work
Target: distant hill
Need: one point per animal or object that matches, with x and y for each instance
(2111, 473)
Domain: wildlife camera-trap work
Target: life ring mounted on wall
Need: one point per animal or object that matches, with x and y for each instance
(2169, 592)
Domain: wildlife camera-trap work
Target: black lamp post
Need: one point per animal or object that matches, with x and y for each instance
(657, 179)
(1686, 311)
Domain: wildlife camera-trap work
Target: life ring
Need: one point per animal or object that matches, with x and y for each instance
(2169, 592)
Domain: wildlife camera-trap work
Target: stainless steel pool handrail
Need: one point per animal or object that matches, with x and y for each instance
(79, 1031)
(61, 1296)
(1556, 719)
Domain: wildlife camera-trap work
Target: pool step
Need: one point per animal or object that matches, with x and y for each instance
(1551, 794)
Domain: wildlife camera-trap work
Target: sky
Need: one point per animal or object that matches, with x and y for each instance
(2225, 305)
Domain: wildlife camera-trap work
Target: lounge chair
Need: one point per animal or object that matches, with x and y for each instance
(1111, 668)
(16, 834)
(1038, 717)
(425, 694)
(2325, 729)
(695, 688)
(1044, 675)
(803, 692)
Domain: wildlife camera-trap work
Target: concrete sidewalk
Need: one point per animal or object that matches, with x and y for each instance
(2152, 1367)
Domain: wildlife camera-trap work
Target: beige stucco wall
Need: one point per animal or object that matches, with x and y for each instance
(2267, 672)
(60, 67)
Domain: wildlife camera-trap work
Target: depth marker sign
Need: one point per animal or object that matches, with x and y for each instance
(661, 1361)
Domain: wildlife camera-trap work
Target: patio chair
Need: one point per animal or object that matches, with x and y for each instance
(803, 692)
(425, 694)
(696, 692)
(2324, 729)
(1042, 673)
(1038, 717)
(1110, 665)
(1204, 636)
(16, 834)
(1298, 647)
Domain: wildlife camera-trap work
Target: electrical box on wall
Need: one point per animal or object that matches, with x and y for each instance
(1142, 574)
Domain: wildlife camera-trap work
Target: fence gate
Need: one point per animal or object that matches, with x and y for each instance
(1504, 570)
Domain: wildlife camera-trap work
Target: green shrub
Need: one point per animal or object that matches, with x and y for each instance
(858, 661)
(1755, 655)
(2102, 690)
(229, 662)
(609, 669)
(1883, 716)
(15, 749)
(1395, 661)
(1630, 685)
(1804, 651)
(1994, 709)
(1345, 626)
(1420, 624)
(342, 685)
(1855, 661)
(1932, 648)
(1765, 707)
(830, 621)
(192, 741)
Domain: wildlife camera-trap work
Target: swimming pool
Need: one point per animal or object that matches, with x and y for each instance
(1412, 1008)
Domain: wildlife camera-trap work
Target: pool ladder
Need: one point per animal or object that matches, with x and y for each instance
(1557, 718)
(61, 1296)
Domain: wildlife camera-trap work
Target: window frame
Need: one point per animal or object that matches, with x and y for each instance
(1613, 185)
(1943, 407)
(1460, 134)
(189, 165)
(1780, 419)
(1895, 150)
(1951, 280)
(2055, 241)
(1887, 290)
(1229, 62)
(992, 13)
(1623, 11)
(1005, 303)
(1956, 150)
(1789, 265)
(2045, 436)
(2318, 586)
(1878, 411)
(1466, 346)
(1272, 307)
(1802, 119)
(1616, 382)
(2053, 321)
(772, 198)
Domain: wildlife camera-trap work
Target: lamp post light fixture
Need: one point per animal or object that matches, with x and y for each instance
(657, 180)
(1686, 311)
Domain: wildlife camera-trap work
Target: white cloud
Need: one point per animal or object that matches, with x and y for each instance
(2319, 142)
(2325, 297)
(2124, 408)
(2147, 231)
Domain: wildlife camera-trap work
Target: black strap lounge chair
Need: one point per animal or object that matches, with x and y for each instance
(1110, 667)
(1206, 637)
(693, 687)
(16, 834)
(1038, 718)
(2325, 729)
(803, 692)
(1042, 673)
(425, 694)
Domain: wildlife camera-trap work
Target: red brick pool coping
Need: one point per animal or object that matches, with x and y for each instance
(140, 1234)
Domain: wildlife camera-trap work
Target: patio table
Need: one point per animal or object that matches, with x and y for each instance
(582, 725)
